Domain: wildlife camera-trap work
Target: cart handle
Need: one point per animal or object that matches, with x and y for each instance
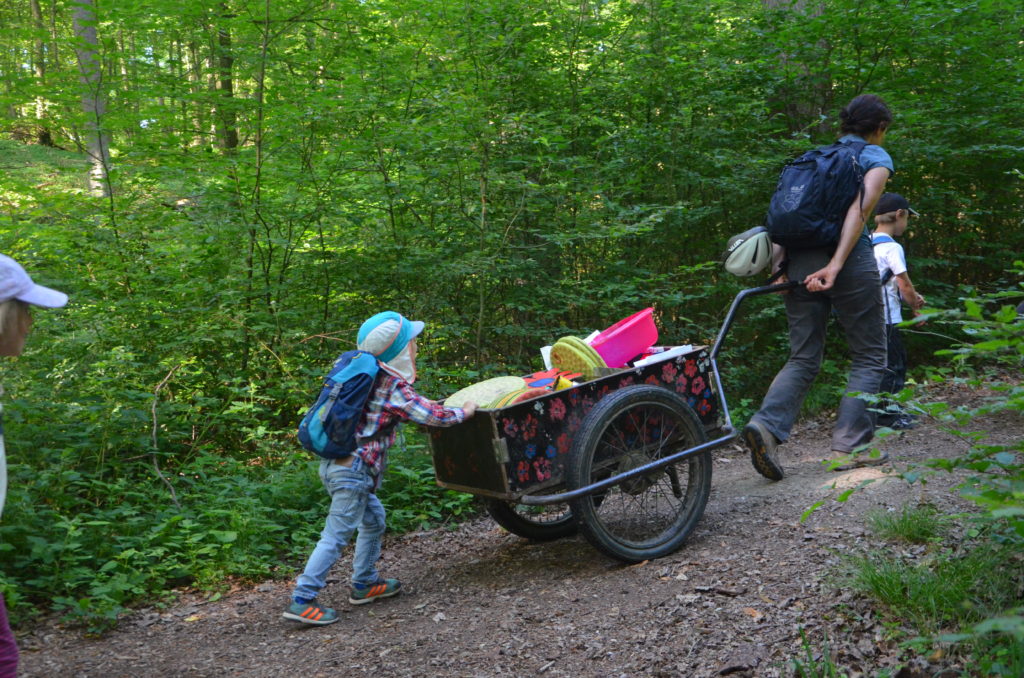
(727, 427)
(730, 433)
(752, 292)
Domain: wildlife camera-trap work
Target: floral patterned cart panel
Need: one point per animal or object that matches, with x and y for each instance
(524, 448)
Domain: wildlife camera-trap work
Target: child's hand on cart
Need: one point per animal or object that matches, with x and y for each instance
(469, 408)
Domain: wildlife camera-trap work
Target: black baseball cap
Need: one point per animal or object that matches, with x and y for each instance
(890, 202)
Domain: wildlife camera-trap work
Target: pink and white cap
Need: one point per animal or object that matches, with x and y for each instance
(16, 284)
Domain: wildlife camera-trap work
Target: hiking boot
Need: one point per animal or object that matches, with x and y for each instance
(762, 444)
(310, 613)
(360, 594)
(846, 461)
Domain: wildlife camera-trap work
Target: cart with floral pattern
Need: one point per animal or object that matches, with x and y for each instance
(625, 458)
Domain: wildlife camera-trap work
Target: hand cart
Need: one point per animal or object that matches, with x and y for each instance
(625, 458)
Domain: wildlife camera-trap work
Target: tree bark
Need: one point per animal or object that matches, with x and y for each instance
(43, 136)
(227, 130)
(93, 103)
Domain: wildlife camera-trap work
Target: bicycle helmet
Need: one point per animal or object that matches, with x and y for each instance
(748, 253)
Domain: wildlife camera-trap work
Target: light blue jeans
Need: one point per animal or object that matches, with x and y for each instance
(354, 507)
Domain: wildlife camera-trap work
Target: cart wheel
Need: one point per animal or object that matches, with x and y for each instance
(540, 523)
(648, 516)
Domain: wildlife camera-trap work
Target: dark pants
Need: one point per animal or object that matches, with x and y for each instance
(8, 649)
(895, 377)
(857, 300)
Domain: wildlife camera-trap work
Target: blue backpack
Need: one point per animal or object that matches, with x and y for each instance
(328, 428)
(813, 194)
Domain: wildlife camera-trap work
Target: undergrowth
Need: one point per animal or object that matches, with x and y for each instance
(959, 590)
(88, 545)
(911, 524)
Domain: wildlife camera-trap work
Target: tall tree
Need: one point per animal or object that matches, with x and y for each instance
(227, 131)
(39, 66)
(93, 99)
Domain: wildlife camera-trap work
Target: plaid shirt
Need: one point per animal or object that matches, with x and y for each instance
(393, 401)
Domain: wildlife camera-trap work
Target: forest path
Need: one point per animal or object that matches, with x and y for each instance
(480, 602)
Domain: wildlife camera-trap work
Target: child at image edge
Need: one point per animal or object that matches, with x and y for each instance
(352, 481)
(18, 294)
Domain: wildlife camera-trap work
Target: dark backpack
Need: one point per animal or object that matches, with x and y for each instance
(814, 192)
(328, 428)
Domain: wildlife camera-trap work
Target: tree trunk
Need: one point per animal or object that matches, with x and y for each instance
(39, 66)
(227, 130)
(54, 54)
(195, 78)
(93, 103)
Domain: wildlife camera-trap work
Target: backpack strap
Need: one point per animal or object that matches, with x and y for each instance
(858, 148)
(876, 240)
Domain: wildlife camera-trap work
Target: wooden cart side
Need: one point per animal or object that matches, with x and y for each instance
(469, 457)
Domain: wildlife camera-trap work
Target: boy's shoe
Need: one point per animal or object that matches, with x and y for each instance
(846, 461)
(360, 594)
(310, 613)
(885, 422)
(904, 422)
(762, 444)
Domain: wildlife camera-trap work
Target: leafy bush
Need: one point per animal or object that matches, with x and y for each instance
(91, 546)
(410, 493)
(972, 587)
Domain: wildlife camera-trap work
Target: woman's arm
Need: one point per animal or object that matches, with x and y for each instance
(853, 224)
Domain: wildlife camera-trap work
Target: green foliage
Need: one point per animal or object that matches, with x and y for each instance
(93, 543)
(509, 171)
(994, 350)
(993, 355)
(973, 587)
(946, 589)
(973, 590)
(411, 495)
(912, 524)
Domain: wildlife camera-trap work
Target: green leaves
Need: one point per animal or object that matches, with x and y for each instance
(508, 171)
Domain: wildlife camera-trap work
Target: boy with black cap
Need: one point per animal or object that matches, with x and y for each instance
(352, 481)
(892, 217)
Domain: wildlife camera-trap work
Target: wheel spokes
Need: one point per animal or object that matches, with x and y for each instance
(644, 508)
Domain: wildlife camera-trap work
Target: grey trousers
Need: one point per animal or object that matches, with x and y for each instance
(857, 299)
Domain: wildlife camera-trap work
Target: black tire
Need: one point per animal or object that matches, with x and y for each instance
(648, 516)
(539, 523)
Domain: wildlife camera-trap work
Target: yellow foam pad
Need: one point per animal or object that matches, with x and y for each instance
(485, 392)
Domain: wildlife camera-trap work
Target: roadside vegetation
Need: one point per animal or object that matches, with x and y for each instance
(952, 583)
(508, 171)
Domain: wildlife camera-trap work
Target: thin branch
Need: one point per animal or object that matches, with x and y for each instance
(154, 448)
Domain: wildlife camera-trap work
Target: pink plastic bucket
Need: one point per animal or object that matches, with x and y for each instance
(627, 338)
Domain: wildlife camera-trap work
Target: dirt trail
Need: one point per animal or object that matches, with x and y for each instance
(481, 602)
